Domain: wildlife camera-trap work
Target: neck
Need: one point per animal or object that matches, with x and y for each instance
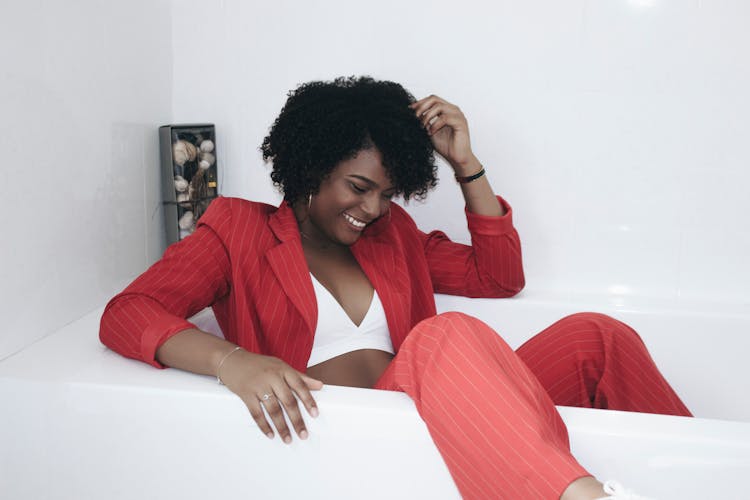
(310, 241)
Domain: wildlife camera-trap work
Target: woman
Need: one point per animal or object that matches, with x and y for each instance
(336, 286)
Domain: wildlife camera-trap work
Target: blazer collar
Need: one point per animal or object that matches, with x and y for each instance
(287, 260)
(283, 223)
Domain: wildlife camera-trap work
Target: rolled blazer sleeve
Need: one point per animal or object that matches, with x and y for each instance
(191, 275)
(491, 267)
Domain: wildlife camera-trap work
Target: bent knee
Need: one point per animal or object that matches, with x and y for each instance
(456, 325)
(450, 321)
(590, 316)
(596, 323)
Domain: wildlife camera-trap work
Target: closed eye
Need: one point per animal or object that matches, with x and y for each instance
(357, 188)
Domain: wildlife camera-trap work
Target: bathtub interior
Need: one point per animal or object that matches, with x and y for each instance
(85, 422)
(700, 348)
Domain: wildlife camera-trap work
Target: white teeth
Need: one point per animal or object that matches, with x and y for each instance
(354, 222)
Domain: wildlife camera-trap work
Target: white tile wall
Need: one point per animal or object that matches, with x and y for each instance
(616, 128)
(84, 86)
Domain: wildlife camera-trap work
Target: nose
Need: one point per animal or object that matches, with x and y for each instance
(371, 206)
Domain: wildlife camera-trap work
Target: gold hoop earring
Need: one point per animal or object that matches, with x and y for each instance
(309, 201)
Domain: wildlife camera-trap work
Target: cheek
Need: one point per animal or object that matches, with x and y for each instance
(385, 208)
(329, 212)
(345, 201)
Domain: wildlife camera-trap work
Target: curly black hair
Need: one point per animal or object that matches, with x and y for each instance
(324, 123)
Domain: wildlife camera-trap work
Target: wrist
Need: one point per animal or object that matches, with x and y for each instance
(223, 362)
(467, 168)
(470, 178)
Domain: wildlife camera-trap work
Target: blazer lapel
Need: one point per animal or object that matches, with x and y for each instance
(287, 261)
(377, 260)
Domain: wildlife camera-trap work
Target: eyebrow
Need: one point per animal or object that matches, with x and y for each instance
(370, 181)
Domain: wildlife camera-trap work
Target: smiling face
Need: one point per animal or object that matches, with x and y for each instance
(357, 192)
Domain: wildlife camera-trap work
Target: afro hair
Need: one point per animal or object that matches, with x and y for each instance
(324, 123)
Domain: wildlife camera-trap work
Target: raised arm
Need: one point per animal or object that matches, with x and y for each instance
(449, 130)
(492, 265)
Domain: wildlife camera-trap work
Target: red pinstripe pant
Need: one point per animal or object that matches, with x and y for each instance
(491, 410)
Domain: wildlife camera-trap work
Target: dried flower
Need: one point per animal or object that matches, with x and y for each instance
(180, 184)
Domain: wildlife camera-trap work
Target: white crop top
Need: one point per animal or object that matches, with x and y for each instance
(336, 334)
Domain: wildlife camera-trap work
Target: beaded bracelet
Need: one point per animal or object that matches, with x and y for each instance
(469, 178)
(218, 368)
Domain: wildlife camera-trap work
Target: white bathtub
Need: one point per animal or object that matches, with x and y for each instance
(702, 348)
(82, 422)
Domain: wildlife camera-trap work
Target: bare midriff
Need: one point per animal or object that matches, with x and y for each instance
(361, 368)
(338, 271)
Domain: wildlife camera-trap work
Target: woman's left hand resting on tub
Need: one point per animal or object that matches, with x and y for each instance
(250, 376)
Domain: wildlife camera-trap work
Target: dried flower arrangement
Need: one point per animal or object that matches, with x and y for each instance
(191, 160)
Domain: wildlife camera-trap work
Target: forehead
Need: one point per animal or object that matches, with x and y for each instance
(367, 163)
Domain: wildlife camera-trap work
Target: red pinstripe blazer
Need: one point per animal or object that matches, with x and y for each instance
(245, 259)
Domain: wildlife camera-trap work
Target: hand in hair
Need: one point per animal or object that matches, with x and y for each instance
(448, 129)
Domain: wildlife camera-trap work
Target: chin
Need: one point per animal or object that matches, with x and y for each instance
(346, 236)
(351, 240)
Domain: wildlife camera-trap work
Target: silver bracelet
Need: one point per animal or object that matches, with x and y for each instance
(218, 368)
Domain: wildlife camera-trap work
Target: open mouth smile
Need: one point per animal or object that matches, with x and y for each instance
(358, 224)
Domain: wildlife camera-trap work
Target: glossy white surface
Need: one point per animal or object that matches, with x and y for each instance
(712, 377)
(87, 423)
(614, 128)
(701, 349)
(84, 87)
(617, 129)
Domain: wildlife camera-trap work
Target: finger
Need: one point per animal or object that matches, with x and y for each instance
(429, 100)
(420, 107)
(313, 383)
(436, 125)
(260, 418)
(302, 388)
(286, 397)
(419, 102)
(450, 114)
(432, 114)
(422, 110)
(274, 410)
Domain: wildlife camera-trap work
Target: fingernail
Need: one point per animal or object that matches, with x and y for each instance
(314, 412)
(288, 439)
(270, 435)
(303, 434)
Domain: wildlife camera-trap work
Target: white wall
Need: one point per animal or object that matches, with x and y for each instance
(84, 86)
(614, 127)
(617, 129)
